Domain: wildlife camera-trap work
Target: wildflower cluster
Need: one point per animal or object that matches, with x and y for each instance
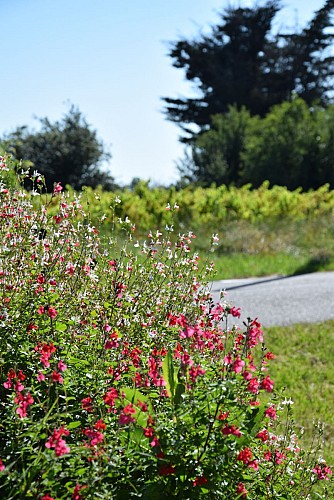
(120, 377)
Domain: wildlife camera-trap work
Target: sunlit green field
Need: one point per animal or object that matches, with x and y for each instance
(304, 366)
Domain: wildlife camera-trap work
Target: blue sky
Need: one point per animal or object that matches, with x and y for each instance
(109, 58)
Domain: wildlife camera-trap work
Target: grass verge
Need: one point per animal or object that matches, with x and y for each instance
(304, 367)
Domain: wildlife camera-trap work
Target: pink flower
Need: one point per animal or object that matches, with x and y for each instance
(254, 464)
(267, 384)
(47, 497)
(70, 269)
(155, 442)
(271, 413)
(253, 386)
(23, 403)
(52, 312)
(195, 371)
(322, 471)
(40, 376)
(40, 310)
(2, 466)
(57, 188)
(238, 364)
(57, 442)
(279, 457)
(61, 366)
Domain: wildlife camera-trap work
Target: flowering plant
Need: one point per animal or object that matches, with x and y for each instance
(120, 378)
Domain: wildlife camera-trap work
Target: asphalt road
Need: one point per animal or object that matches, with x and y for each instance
(281, 300)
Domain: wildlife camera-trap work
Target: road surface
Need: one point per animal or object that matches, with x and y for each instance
(281, 300)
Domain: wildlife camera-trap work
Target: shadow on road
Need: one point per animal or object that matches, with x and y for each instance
(260, 281)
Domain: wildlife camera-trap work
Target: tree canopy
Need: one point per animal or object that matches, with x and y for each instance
(66, 151)
(292, 146)
(243, 63)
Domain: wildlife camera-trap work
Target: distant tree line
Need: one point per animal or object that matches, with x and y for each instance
(247, 123)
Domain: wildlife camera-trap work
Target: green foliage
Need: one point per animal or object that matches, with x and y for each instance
(243, 63)
(286, 147)
(291, 146)
(216, 154)
(65, 151)
(119, 376)
(304, 367)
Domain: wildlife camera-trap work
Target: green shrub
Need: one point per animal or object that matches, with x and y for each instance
(120, 378)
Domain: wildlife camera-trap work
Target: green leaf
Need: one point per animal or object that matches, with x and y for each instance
(180, 389)
(61, 327)
(169, 374)
(74, 425)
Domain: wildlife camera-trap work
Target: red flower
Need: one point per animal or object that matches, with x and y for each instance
(148, 432)
(199, 480)
(245, 456)
(241, 490)
(2, 467)
(94, 436)
(165, 470)
(231, 429)
(76, 492)
(235, 312)
(86, 404)
(125, 417)
(263, 435)
(223, 416)
(100, 425)
(56, 377)
(110, 397)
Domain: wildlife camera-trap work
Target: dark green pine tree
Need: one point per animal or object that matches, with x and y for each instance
(241, 62)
